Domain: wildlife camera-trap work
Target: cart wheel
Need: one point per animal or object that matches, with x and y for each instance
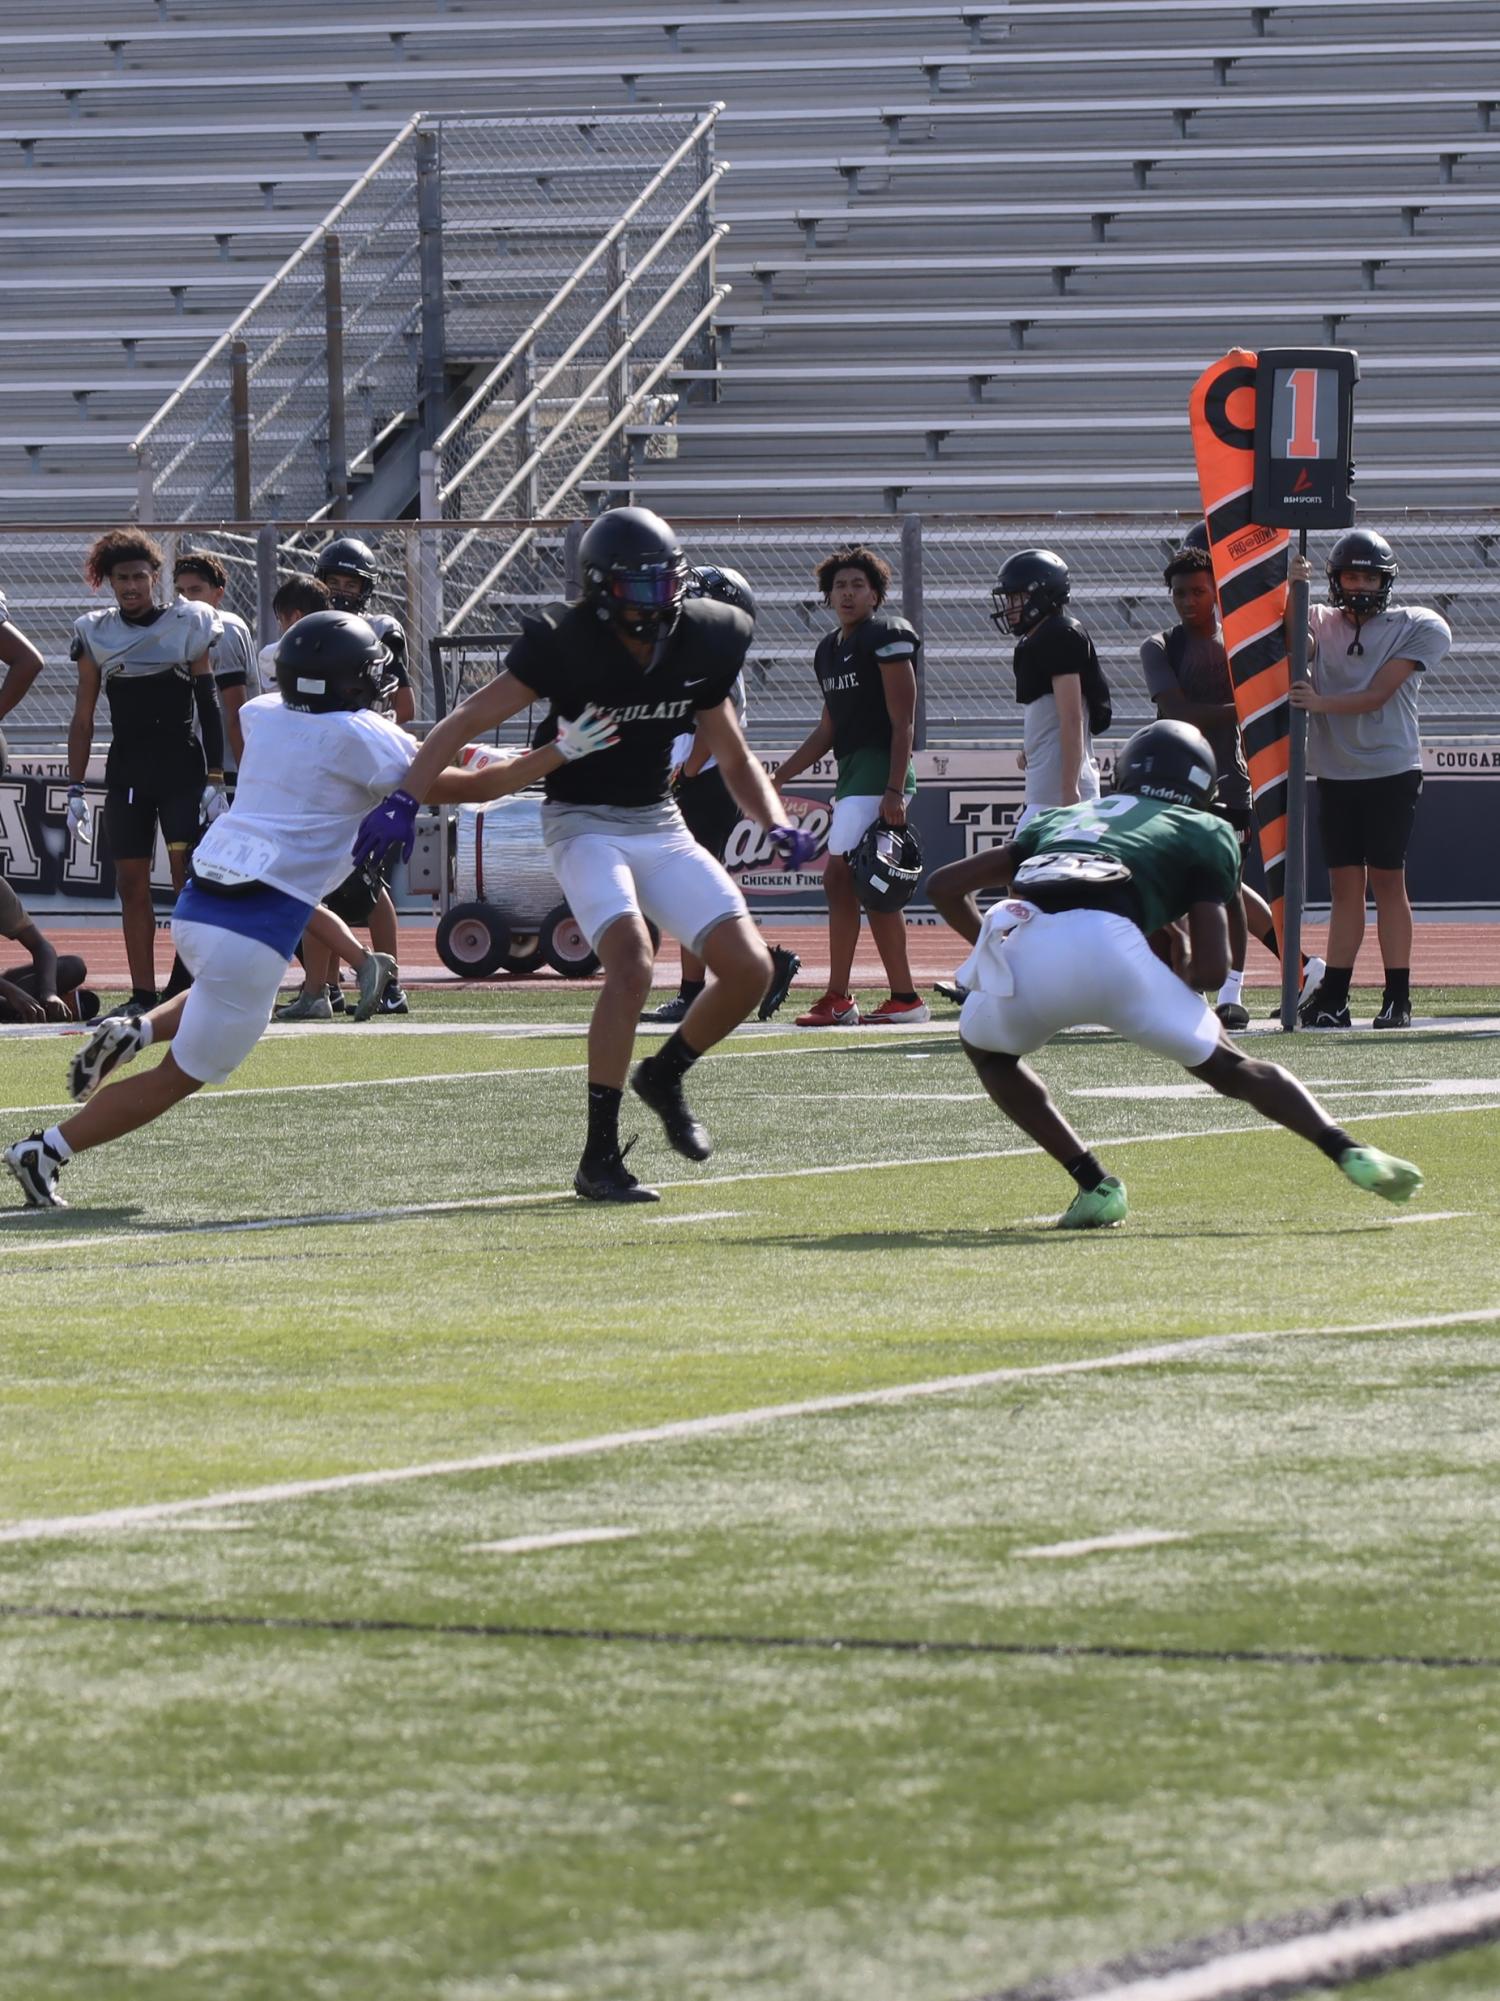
(564, 945)
(524, 956)
(473, 940)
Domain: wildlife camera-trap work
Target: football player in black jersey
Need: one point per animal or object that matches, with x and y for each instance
(868, 676)
(348, 570)
(153, 664)
(637, 646)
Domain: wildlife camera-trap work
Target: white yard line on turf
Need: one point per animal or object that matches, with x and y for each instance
(695, 1216)
(1097, 1544)
(1338, 1956)
(527, 1545)
(463, 1204)
(50, 1528)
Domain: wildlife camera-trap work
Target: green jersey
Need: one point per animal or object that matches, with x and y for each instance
(1176, 856)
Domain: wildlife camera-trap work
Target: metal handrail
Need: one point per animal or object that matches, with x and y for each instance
(616, 424)
(570, 285)
(615, 299)
(309, 242)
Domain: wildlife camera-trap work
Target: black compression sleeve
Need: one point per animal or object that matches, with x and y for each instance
(207, 698)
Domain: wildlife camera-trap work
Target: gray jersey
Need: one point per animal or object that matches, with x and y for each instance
(1041, 740)
(235, 658)
(1382, 741)
(122, 651)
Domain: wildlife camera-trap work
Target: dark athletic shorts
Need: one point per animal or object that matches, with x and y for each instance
(1242, 820)
(707, 805)
(356, 896)
(132, 813)
(1367, 822)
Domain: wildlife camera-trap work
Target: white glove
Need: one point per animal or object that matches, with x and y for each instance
(215, 801)
(595, 729)
(80, 815)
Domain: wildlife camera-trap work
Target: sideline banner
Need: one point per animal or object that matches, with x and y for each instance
(966, 800)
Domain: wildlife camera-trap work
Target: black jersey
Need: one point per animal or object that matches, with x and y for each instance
(571, 657)
(848, 670)
(1059, 645)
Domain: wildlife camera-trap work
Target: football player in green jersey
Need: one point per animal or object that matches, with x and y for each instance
(1086, 887)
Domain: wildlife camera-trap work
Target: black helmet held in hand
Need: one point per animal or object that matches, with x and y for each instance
(1361, 549)
(331, 660)
(1170, 761)
(634, 570)
(1039, 579)
(347, 556)
(886, 866)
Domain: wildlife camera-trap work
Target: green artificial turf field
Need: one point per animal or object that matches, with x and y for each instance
(416, 1583)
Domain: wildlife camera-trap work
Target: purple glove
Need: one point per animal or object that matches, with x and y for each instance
(393, 823)
(795, 845)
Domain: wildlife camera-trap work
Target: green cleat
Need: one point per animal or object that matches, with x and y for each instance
(1100, 1208)
(1381, 1173)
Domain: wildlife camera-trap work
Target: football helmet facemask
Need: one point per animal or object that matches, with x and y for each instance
(1039, 579)
(886, 866)
(1361, 549)
(634, 571)
(346, 556)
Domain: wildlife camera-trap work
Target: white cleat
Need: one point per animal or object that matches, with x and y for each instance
(36, 1167)
(112, 1043)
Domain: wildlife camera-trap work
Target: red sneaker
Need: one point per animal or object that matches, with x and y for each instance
(832, 1011)
(910, 1012)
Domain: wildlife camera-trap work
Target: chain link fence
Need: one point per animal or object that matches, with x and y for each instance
(943, 567)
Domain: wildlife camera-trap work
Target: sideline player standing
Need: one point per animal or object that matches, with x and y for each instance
(153, 663)
(868, 676)
(637, 645)
(315, 757)
(199, 576)
(1188, 678)
(1087, 886)
(347, 569)
(1365, 750)
(1060, 685)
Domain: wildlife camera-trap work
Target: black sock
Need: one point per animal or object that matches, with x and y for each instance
(905, 999)
(604, 1119)
(1333, 988)
(689, 990)
(143, 997)
(1335, 1142)
(676, 1056)
(1086, 1171)
(1398, 984)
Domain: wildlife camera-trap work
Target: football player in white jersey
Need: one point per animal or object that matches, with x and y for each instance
(316, 757)
(153, 664)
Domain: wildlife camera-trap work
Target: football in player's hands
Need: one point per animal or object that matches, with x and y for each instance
(593, 729)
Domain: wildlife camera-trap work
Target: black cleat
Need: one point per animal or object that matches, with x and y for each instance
(785, 967)
(664, 1095)
(1393, 1014)
(606, 1178)
(1325, 1017)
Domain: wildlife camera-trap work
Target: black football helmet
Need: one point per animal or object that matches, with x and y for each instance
(1170, 761)
(886, 866)
(714, 580)
(1361, 549)
(1040, 579)
(632, 563)
(330, 660)
(1196, 537)
(346, 555)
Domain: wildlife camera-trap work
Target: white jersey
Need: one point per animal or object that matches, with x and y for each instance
(304, 786)
(168, 645)
(682, 745)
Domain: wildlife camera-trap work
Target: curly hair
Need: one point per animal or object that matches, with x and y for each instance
(1187, 560)
(875, 568)
(120, 545)
(201, 563)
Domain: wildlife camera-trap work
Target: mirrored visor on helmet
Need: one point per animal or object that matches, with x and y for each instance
(655, 588)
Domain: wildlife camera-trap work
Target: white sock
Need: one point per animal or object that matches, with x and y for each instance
(147, 1032)
(1230, 991)
(53, 1137)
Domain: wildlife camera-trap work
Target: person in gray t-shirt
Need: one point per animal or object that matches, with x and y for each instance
(1366, 659)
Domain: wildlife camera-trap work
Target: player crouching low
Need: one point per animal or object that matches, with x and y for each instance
(316, 758)
(1086, 886)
